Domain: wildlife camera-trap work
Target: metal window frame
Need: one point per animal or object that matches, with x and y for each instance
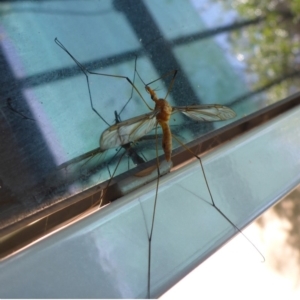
(239, 137)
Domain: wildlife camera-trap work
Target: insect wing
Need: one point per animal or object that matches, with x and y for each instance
(127, 131)
(80, 158)
(206, 113)
(78, 169)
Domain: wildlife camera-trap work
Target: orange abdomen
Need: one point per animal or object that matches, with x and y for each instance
(167, 140)
(165, 111)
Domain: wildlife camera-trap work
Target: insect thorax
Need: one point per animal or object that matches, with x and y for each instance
(165, 110)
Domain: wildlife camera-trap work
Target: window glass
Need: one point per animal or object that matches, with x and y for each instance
(235, 56)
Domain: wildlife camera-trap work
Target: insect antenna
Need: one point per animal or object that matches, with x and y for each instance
(174, 72)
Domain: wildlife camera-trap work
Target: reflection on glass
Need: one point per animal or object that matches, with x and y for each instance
(243, 56)
(267, 43)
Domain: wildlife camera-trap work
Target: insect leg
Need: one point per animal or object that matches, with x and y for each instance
(9, 105)
(212, 200)
(153, 220)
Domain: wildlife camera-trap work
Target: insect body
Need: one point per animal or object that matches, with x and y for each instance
(134, 128)
(128, 131)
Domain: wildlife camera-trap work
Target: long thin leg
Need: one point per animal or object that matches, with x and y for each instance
(120, 112)
(86, 72)
(152, 222)
(212, 200)
(9, 105)
(111, 178)
(136, 158)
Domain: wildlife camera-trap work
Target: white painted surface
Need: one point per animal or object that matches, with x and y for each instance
(105, 255)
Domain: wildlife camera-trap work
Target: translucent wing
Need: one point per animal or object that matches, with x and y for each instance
(77, 169)
(80, 158)
(127, 131)
(206, 113)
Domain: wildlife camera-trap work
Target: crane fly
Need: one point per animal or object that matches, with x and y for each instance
(131, 130)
